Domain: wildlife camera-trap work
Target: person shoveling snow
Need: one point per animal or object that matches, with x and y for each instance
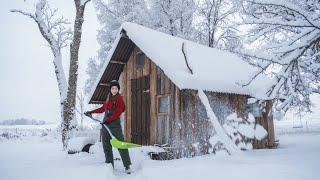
(113, 107)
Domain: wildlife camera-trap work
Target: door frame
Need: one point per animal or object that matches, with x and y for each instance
(140, 111)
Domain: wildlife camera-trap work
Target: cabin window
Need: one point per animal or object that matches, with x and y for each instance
(140, 60)
(163, 104)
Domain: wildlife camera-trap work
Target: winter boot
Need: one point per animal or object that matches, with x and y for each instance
(128, 170)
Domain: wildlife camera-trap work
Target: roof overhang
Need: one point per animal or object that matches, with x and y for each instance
(115, 65)
(153, 43)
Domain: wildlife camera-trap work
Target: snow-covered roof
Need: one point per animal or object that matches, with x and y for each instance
(213, 69)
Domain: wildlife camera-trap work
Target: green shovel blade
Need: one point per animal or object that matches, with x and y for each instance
(122, 145)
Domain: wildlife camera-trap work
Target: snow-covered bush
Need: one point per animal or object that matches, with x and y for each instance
(242, 131)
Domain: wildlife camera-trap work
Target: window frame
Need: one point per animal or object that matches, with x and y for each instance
(158, 101)
(137, 56)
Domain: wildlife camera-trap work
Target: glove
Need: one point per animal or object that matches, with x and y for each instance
(107, 113)
(88, 113)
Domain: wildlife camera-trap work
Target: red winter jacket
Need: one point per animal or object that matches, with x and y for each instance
(107, 105)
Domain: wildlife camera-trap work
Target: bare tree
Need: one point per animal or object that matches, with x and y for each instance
(173, 17)
(287, 33)
(53, 30)
(215, 25)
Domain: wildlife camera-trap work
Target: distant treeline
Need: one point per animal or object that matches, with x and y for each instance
(22, 121)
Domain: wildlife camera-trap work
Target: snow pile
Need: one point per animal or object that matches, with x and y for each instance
(95, 148)
(235, 126)
(77, 143)
(246, 130)
(238, 131)
(260, 132)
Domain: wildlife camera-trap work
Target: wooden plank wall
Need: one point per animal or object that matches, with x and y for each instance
(188, 124)
(195, 124)
(132, 72)
(233, 102)
(166, 131)
(181, 126)
(267, 122)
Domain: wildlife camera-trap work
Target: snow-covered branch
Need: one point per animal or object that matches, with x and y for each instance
(291, 7)
(288, 35)
(24, 13)
(51, 27)
(53, 30)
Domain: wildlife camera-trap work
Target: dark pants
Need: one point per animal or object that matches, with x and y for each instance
(115, 129)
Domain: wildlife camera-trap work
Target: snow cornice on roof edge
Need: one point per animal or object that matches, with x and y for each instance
(213, 69)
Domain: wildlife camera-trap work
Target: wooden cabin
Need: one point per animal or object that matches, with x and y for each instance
(160, 92)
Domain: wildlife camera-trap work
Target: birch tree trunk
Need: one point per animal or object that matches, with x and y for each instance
(55, 33)
(69, 121)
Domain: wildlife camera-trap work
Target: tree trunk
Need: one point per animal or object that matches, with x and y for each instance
(43, 18)
(61, 80)
(69, 121)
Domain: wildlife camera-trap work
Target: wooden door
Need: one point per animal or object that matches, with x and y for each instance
(140, 110)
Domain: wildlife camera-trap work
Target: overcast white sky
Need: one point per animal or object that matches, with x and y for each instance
(28, 86)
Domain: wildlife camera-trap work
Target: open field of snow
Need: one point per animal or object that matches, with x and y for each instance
(37, 158)
(49, 132)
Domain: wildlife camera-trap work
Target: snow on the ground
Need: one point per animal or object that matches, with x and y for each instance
(45, 126)
(295, 127)
(293, 122)
(47, 132)
(296, 158)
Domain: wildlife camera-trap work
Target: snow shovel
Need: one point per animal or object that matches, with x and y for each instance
(114, 141)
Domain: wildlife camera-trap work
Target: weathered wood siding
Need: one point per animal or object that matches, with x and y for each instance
(197, 129)
(167, 124)
(187, 122)
(132, 72)
(195, 124)
(160, 125)
(267, 122)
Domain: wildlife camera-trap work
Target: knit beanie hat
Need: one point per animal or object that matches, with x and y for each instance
(114, 83)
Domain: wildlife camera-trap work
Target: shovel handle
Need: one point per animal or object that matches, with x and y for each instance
(97, 120)
(112, 137)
